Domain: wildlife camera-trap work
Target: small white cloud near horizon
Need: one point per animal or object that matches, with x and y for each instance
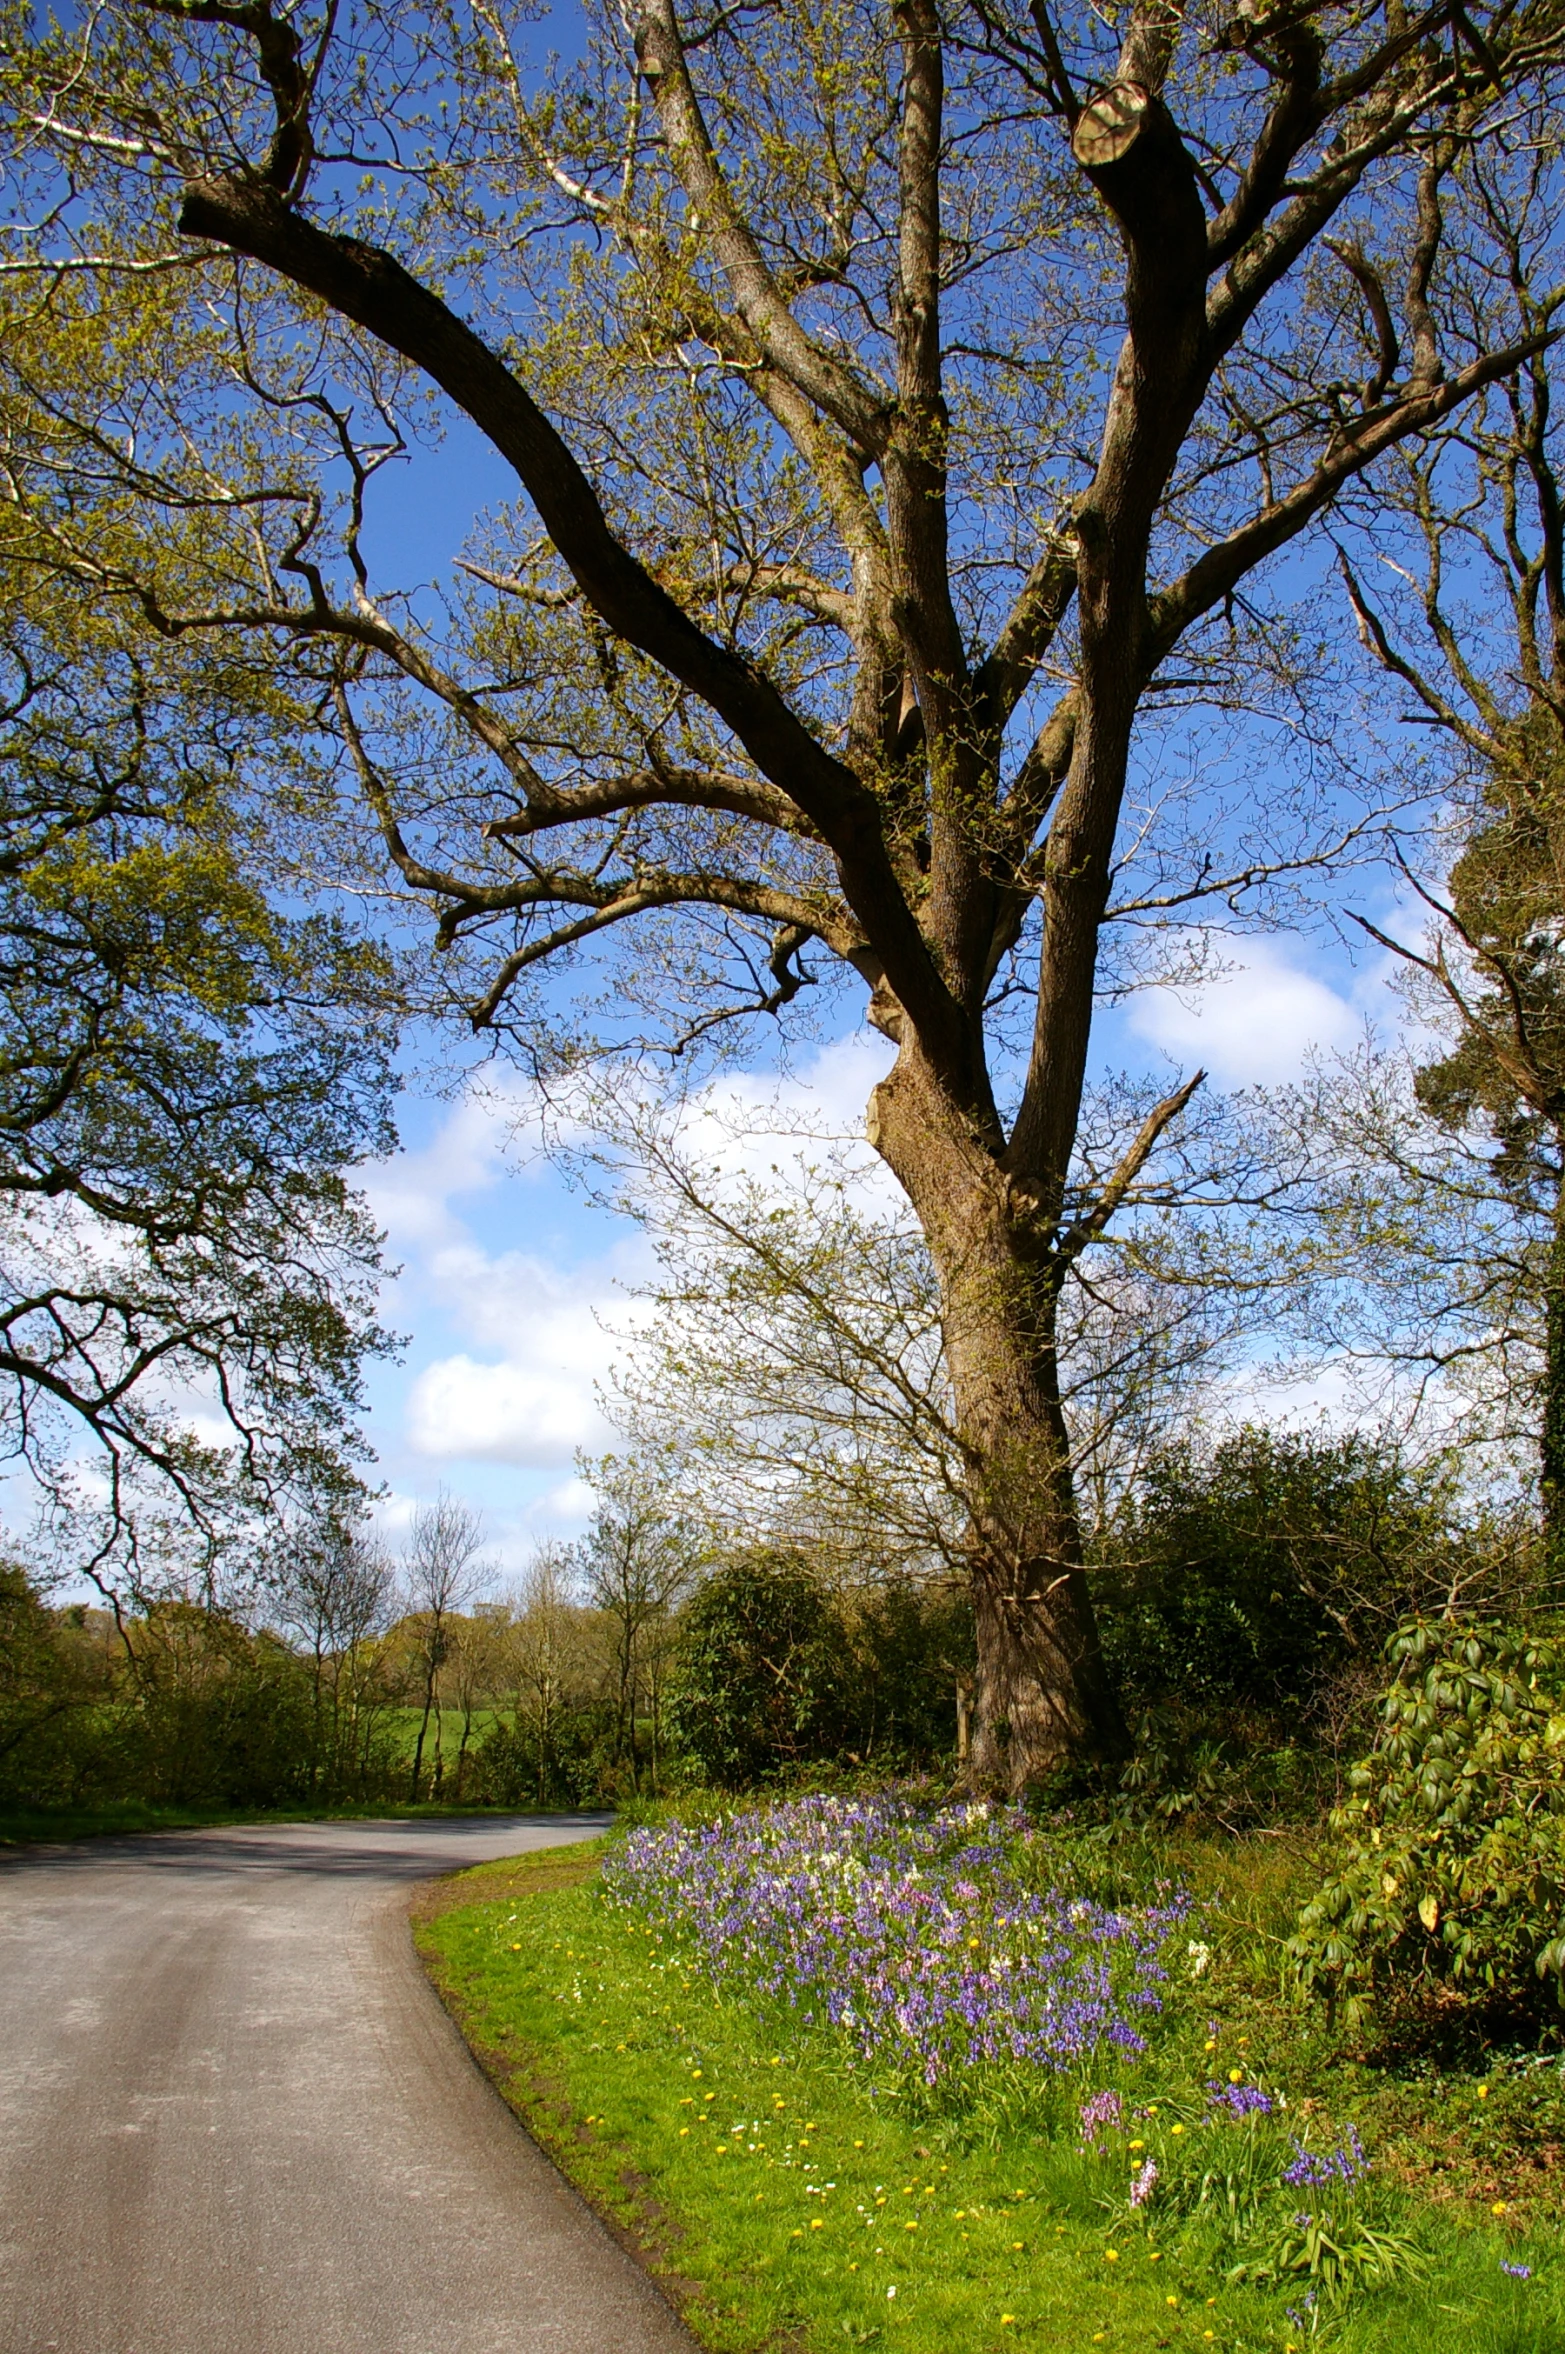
(562, 1511)
(1256, 1023)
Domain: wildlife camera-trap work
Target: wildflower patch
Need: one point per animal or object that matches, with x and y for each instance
(920, 1936)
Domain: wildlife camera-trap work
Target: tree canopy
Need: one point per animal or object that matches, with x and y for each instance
(189, 1066)
(893, 394)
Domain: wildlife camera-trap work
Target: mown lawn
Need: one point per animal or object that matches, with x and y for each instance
(785, 2207)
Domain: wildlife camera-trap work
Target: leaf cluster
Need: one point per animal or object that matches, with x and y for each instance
(1449, 1879)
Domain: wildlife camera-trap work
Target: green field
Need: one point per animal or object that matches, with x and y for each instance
(784, 2208)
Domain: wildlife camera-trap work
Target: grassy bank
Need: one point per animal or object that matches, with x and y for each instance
(786, 2206)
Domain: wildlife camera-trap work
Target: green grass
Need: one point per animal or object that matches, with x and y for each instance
(992, 2232)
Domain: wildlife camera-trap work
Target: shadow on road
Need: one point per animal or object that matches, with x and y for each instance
(338, 1850)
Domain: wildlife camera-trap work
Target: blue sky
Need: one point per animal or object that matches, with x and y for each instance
(511, 1286)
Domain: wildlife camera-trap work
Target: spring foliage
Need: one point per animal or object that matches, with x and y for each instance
(1451, 1875)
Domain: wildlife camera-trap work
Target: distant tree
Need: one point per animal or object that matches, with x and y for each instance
(335, 1592)
(208, 1711)
(49, 1680)
(475, 1672)
(640, 1558)
(444, 1573)
(545, 1658)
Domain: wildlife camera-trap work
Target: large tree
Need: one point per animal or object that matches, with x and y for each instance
(189, 1067)
(789, 1349)
(893, 391)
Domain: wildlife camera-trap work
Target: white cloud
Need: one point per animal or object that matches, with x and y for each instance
(392, 1516)
(535, 1341)
(749, 1126)
(460, 1410)
(1255, 1024)
(533, 1402)
(411, 1194)
(564, 1510)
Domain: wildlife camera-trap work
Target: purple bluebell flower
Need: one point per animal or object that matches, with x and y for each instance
(1105, 2109)
(912, 1932)
(1315, 2169)
(1141, 2189)
(1240, 2100)
(1518, 2271)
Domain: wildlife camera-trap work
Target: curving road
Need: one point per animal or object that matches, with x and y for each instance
(235, 2120)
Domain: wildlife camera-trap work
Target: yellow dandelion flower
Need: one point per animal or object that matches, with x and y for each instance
(1112, 2255)
(1498, 2208)
(817, 2224)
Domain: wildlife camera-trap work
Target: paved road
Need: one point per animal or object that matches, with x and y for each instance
(235, 2120)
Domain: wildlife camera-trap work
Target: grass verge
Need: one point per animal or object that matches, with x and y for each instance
(785, 2210)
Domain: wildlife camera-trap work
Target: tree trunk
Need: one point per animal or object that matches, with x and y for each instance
(1042, 1692)
(418, 1746)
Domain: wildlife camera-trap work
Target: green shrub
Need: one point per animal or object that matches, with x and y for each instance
(908, 1644)
(527, 1761)
(1244, 1576)
(778, 1673)
(1451, 1875)
(758, 1681)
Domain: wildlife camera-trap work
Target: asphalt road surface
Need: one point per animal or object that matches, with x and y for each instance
(235, 2120)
